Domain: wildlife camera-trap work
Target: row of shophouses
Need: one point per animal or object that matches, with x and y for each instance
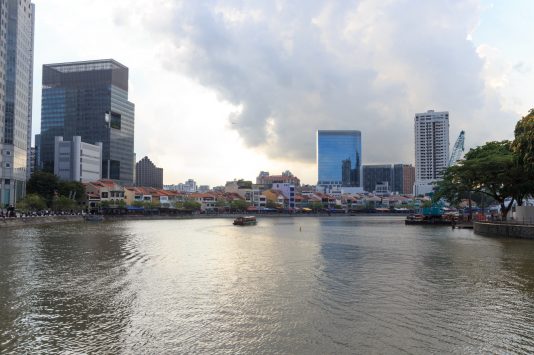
(283, 196)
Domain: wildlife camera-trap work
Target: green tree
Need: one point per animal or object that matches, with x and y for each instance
(32, 202)
(490, 169)
(316, 206)
(138, 204)
(43, 184)
(72, 189)
(239, 205)
(271, 204)
(63, 203)
(192, 205)
(523, 144)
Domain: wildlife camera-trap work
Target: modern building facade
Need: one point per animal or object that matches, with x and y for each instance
(16, 74)
(431, 149)
(147, 174)
(77, 161)
(403, 178)
(32, 160)
(89, 99)
(374, 175)
(339, 156)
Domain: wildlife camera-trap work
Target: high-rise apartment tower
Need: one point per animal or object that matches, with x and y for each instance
(431, 149)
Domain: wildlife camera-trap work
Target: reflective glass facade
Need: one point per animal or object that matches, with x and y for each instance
(16, 69)
(75, 100)
(339, 156)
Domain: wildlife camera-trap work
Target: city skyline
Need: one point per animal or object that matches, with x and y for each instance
(179, 92)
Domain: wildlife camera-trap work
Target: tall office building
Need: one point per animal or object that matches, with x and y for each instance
(431, 149)
(147, 174)
(374, 175)
(16, 73)
(89, 99)
(403, 178)
(339, 156)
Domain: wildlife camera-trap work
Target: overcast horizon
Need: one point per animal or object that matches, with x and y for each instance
(225, 89)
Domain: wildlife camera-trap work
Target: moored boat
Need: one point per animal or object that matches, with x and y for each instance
(245, 221)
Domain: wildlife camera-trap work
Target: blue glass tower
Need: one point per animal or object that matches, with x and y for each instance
(89, 99)
(339, 157)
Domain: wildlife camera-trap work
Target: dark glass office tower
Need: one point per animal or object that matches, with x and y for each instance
(147, 174)
(89, 99)
(339, 155)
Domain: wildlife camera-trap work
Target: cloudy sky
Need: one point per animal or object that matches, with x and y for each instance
(224, 89)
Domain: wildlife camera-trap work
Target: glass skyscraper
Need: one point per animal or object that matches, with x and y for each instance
(339, 157)
(16, 73)
(89, 99)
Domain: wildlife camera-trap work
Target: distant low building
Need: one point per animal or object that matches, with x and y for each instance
(108, 191)
(77, 161)
(203, 188)
(188, 186)
(285, 178)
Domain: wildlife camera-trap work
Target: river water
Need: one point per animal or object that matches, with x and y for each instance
(291, 286)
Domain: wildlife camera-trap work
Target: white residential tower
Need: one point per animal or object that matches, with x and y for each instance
(431, 149)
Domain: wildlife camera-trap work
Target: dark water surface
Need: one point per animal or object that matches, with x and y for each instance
(341, 285)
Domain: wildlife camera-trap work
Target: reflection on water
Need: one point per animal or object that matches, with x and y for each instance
(308, 285)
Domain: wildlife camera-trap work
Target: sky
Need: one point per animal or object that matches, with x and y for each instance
(226, 89)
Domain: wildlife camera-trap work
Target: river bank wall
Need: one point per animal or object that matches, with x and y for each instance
(507, 230)
(37, 221)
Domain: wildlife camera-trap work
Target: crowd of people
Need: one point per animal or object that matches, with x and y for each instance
(10, 212)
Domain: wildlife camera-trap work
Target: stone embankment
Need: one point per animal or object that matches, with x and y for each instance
(508, 229)
(37, 221)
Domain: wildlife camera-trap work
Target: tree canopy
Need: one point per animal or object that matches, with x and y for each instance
(491, 169)
(50, 188)
(523, 145)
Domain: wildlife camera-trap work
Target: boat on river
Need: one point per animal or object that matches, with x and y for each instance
(245, 221)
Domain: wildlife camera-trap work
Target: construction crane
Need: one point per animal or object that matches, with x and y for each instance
(458, 149)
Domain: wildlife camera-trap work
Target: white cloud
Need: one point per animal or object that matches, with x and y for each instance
(224, 89)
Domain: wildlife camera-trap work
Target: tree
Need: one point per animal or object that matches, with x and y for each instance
(271, 204)
(138, 204)
(63, 203)
(239, 205)
(32, 202)
(72, 189)
(43, 184)
(316, 206)
(523, 144)
(192, 205)
(490, 169)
